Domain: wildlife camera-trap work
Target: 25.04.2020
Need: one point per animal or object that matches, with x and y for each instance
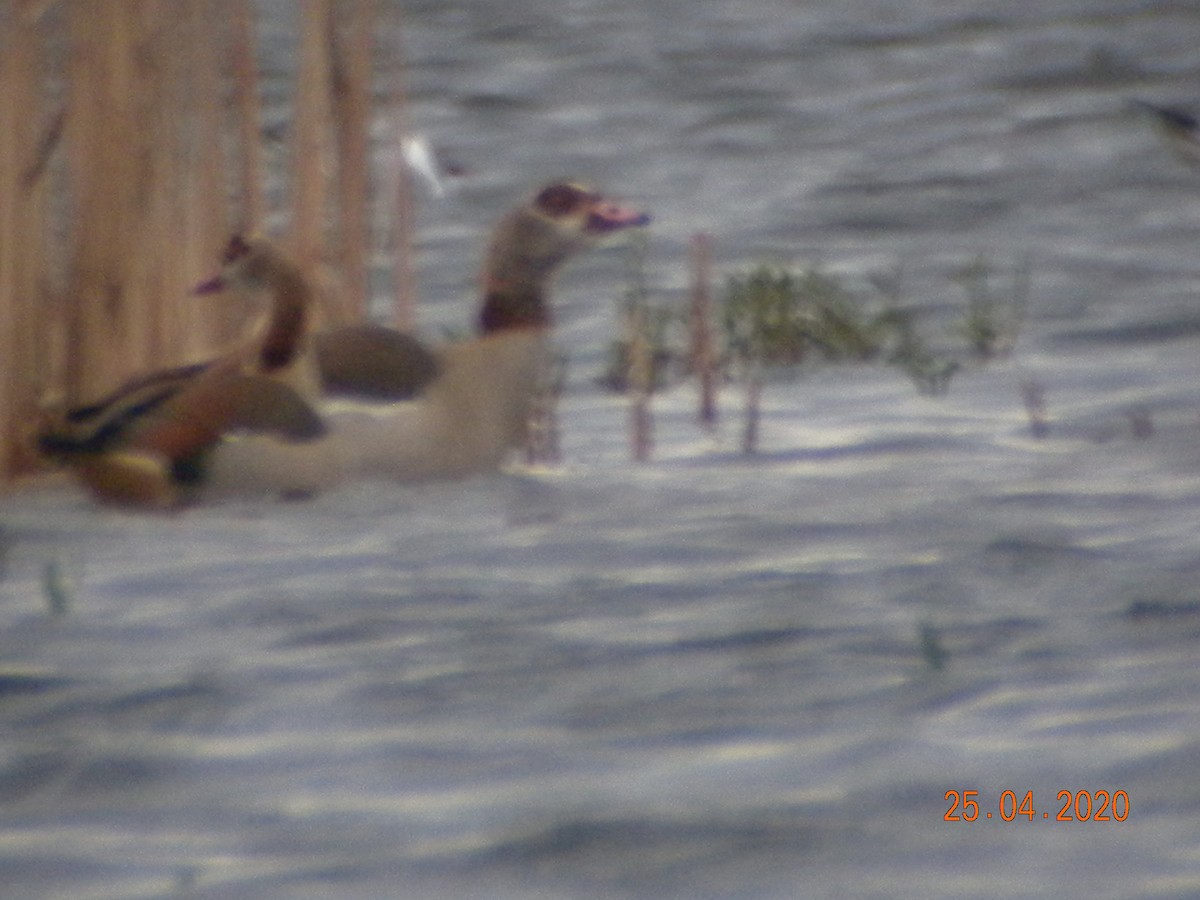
(1076, 806)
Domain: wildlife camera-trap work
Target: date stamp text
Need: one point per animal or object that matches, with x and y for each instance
(1011, 806)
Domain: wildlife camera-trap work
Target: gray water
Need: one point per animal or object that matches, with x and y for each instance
(710, 676)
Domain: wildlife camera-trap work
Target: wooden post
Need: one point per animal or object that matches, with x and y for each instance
(641, 383)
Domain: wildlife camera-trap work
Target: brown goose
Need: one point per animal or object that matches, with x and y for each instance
(474, 397)
(386, 405)
(144, 444)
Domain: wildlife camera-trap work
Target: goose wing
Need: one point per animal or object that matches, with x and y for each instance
(373, 362)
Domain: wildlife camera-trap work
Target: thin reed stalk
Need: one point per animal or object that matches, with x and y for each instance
(703, 349)
(22, 232)
(186, 215)
(205, 158)
(105, 140)
(753, 411)
(404, 306)
(147, 186)
(641, 384)
(248, 106)
(640, 373)
(331, 150)
(311, 151)
(353, 45)
(205, 167)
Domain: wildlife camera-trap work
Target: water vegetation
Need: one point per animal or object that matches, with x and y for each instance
(776, 320)
(775, 316)
(89, 303)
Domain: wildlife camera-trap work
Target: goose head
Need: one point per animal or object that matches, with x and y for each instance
(534, 240)
(250, 264)
(256, 265)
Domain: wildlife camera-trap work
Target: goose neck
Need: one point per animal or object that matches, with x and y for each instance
(289, 313)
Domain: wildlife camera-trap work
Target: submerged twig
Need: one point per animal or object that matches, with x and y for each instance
(543, 445)
(753, 411)
(55, 589)
(932, 649)
(993, 321)
(1033, 395)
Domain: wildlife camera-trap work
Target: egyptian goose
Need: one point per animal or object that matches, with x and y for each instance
(470, 401)
(278, 346)
(145, 444)
(388, 405)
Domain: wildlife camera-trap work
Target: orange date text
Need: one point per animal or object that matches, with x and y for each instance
(1012, 806)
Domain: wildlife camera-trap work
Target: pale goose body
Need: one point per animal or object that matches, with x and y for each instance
(472, 410)
(288, 414)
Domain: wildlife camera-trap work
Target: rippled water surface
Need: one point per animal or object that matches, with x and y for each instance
(710, 676)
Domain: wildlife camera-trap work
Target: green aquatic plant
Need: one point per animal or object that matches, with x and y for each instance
(779, 317)
(762, 319)
(775, 317)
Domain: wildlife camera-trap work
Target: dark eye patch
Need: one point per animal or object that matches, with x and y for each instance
(235, 249)
(561, 199)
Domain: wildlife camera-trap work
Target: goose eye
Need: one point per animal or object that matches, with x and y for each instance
(235, 249)
(561, 199)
